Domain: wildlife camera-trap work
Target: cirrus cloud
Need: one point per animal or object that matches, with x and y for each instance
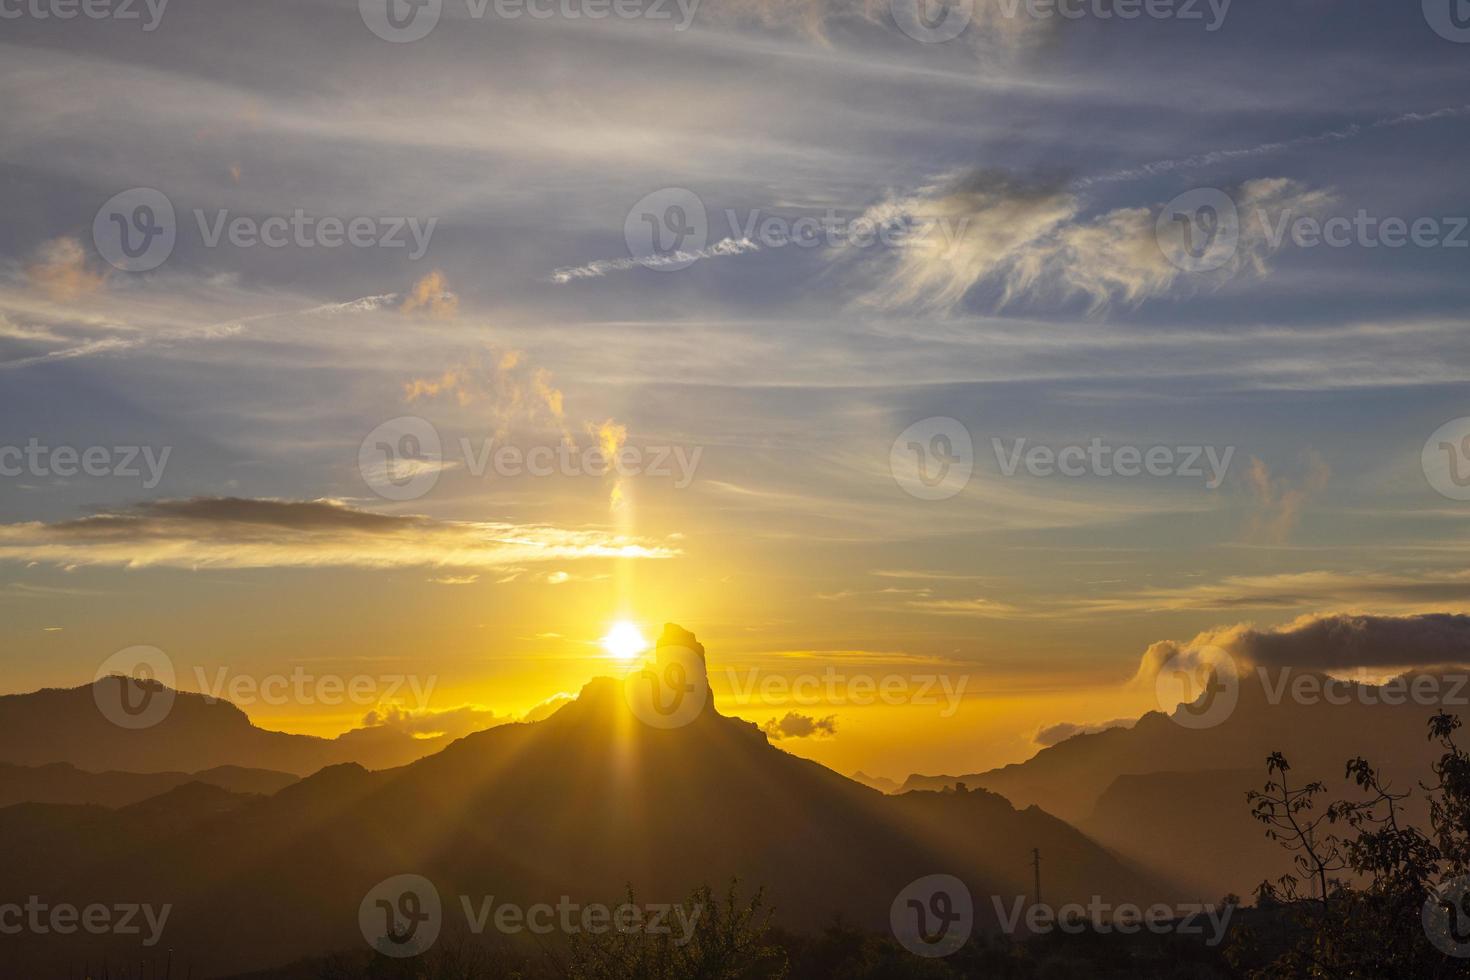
(233, 532)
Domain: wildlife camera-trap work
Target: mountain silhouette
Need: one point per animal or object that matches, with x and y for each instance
(1172, 798)
(61, 782)
(197, 733)
(585, 804)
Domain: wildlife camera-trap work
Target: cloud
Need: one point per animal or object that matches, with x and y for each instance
(1060, 732)
(611, 436)
(548, 707)
(431, 295)
(994, 27)
(1031, 239)
(61, 270)
(1344, 591)
(1279, 500)
(1329, 643)
(231, 532)
(1213, 157)
(513, 390)
(978, 607)
(456, 580)
(601, 267)
(797, 725)
(454, 722)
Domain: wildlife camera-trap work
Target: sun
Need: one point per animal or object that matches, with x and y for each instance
(624, 640)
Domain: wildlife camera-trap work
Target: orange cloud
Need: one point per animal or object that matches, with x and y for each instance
(1279, 500)
(432, 296)
(61, 270)
(513, 390)
(228, 532)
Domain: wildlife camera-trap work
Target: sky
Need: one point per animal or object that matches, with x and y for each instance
(297, 275)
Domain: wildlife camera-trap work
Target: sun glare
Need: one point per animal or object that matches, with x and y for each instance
(624, 641)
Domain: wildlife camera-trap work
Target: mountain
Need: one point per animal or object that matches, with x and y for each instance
(1195, 824)
(584, 804)
(1167, 796)
(881, 783)
(197, 733)
(61, 782)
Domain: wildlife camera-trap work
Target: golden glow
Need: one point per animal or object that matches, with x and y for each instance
(624, 640)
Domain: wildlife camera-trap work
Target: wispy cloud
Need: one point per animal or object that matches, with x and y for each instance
(61, 269)
(601, 267)
(1033, 240)
(1212, 157)
(502, 382)
(1279, 499)
(229, 532)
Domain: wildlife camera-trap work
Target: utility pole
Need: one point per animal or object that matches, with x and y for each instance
(1036, 867)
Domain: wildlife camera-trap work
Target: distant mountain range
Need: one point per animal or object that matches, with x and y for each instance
(261, 868)
(61, 782)
(1173, 798)
(198, 733)
(585, 803)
